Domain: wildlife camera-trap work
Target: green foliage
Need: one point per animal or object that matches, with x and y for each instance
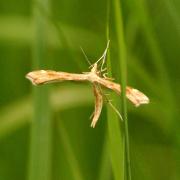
(47, 134)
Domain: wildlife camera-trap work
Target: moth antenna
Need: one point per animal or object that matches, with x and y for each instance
(86, 58)
(103, 57)
(105, 69)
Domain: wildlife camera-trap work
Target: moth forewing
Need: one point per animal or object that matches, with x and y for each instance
(134, 95)
(109, 84)
(48, 76)
(98, 104)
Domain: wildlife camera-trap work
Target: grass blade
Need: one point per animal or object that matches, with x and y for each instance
(115, 145)
(105, 172)
(115, 139)
(122, 61)
(40, 154)
(72, 160)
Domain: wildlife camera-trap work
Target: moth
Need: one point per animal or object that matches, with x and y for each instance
(97, 80)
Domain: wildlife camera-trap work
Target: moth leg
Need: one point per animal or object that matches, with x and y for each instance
(91, 116)
(107, 78)
(103, 70)
(109, 101)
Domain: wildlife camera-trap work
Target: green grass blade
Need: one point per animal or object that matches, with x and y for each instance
(116, 145)
(40, 157)
(105, 171)
(73, 162)
(41, 136)
(122, 61)
(114, 139)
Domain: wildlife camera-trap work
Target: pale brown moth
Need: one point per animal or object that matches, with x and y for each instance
(94, 76)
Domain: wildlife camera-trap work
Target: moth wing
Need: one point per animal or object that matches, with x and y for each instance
(48, 76)
(136, 97)
(98, 105)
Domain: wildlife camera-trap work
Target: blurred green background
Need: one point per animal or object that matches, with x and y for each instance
(45, 131)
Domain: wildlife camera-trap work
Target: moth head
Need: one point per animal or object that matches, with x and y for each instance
(94, 69)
